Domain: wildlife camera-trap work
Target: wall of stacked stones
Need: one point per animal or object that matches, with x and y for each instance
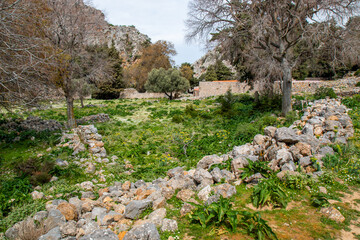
(105, 211)
(347, 85)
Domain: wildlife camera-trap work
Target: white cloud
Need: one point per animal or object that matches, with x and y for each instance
(159, 19)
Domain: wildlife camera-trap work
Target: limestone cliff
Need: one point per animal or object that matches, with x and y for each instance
(127, 39)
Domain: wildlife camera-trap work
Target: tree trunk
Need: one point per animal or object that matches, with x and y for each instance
(70, 112)
(82, 102)
(287, 86)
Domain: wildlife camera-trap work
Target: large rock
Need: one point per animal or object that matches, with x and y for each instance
(203, 177)
(326, 150)
(333, 214)
(238, 163)
(53, 234)
(169, 225)
(207, 161)
(147, 231)
(204, 193)
(175, 171)
(286, 135)
(226, 190)
(157, 216)
(246, 149)
(185, 195)
(54, 219)
(69, 229)
(136, 207)
(68, 210)
(181, 182)
(101, 234)
(270, 131)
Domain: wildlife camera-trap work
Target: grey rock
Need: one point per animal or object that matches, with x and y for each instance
(186, 208)
(90, 195)
(226, 190)
(212, 199)
(53, 234)
(147, 231)
(40, 216)
(286, 135)
(207, 161)
(169, 225)
(308, 129)
(246, 149)
(305, 161)
(157, 216)
(326, 150)
(54, 219)
(98, 213)
(270, 131)
(254, 178)
(284, 156)
(175, 171)
(217, 175)
(341, 140)
(136, 207)
(181, 182)
(90, 227)
(238, 163)
(140, 183)
(101, 234)
(203, 177)
(290, 166)
(69, 229)
(204, 193)
(227, 175)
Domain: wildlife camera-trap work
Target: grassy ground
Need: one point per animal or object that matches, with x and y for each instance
(157, 135)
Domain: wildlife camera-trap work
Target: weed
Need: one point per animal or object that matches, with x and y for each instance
(256, 167)
(323, 92)
(269, 191)
(256, 226)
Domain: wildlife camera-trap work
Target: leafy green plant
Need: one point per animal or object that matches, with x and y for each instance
(224, 165)
(269, 191)
(256, 167)
(320, 200)
(323, 92)
(218, 213)
(298, 182)
(256, 226)
(358, 83)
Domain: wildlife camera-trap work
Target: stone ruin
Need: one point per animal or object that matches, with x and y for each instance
(115, 213)
(32, 123)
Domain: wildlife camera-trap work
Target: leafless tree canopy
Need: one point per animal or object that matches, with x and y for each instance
(266, 31)
(24, 51)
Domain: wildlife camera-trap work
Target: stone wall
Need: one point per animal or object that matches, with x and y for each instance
(216, 88)
(339, 86)
(208, 89)
(131, 93)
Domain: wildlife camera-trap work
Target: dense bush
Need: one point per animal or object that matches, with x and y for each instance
(323, 92)
(106, 92)
(357, 84)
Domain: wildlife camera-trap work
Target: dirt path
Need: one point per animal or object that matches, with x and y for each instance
(355, 230)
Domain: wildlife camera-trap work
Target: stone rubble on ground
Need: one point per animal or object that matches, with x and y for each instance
(118, 208)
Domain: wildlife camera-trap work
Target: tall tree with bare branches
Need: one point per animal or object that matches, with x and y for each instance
(24, 50)
(71, 22)
(265, 29)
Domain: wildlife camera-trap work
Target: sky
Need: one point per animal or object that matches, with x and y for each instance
(159, 19)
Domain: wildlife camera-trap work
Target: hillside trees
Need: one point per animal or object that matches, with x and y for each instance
(264, 32)
(168, 81)
(24, 51)
(70, 23)
(154, 56)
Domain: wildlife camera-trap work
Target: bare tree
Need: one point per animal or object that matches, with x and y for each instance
(71, 22)
(24, 51)
(268, 29)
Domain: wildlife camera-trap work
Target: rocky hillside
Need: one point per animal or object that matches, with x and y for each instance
(210, 58)
(127, 39)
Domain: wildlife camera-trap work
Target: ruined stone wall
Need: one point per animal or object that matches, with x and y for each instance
(131, 93)
(208, 89)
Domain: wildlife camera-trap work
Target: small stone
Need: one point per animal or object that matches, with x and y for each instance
(185, 194)
(169, 225)
(126, 186)
(53, 234)
(159, 203)
(186, 208)
(68, 210)
(69, 229)
(333, 214)
(204, 193)
(37, 195)
(106, 234)
(88, 186)
(136, 207)
(226, 190)
(145, 231)
(323, 190)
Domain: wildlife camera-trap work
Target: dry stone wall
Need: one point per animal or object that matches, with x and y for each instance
(131, 93)
(208, 89)
(117, 209)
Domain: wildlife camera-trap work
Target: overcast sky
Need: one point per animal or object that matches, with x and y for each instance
(159, 19)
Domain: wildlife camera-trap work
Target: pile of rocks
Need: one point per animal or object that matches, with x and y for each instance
(101, 117)
(32, 123)
(84, 135)
(116, 213)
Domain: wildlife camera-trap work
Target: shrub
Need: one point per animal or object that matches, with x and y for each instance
(227, 103)
(357, 84)
(256, 167)
(218, 213)
(177, 118)
(269, 191)
(320, 200)
(323, 92)
(352, 102)
(256, 226)
(191, 111)
(37, 169)
(357, 73)
(246, 131)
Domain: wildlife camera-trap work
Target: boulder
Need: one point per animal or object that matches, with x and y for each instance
(305, 161)
(238, 163)
(68, 210)
(203, 177)
(157, 216)
(226, 190)
(270, 131)
(146, 231)
(55, 219)
(53, 234)
(207, 161)
(246, 149)
(304, 148)
(333, 214)
(136, 207)
(204, 193)
(217, 175)
(169, 225)
(185, 195)
(175, 171)
(286, 135)
(326, 150)
(101, 234)
(69, 229)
